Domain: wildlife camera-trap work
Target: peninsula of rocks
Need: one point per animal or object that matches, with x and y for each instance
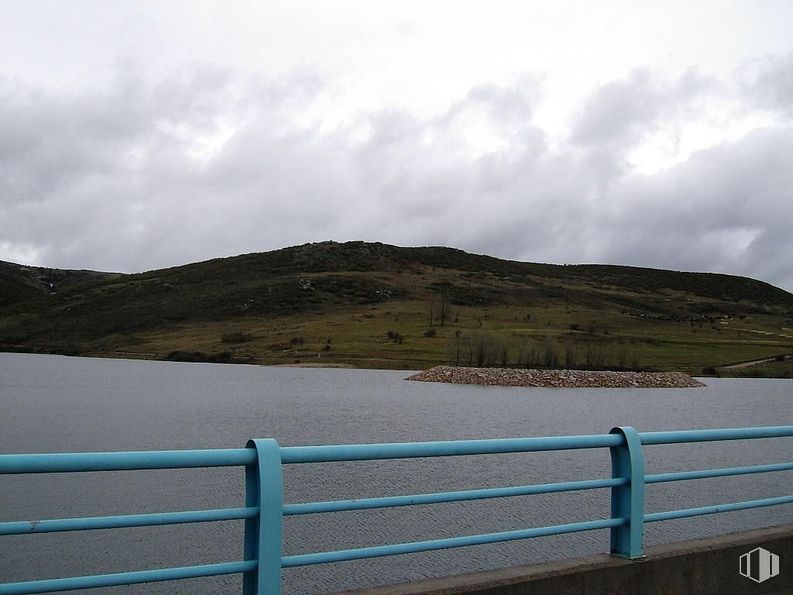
(555, 378)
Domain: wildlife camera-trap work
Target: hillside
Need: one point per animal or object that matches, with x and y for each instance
(375, 305)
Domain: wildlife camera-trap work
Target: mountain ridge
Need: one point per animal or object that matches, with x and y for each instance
(437, 256)
(263, 294)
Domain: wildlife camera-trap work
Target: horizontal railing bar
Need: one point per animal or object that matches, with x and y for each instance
(460, 496)
(126, 578)
(676, 437)
(405, 450)
(125, 461)
(689, 512)
(446, 543)
(129, 520)
(723, 472)
(171, 459)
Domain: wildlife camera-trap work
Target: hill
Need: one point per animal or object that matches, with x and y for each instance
(376, 305)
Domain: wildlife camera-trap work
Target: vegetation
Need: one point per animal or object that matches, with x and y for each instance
(374, 305)
(768, 370)
(237, 337)
(224, 357)
(780, 367)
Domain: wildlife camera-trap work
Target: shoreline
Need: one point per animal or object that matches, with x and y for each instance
(400, 365)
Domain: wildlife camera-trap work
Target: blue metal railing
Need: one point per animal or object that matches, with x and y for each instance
(264, 508)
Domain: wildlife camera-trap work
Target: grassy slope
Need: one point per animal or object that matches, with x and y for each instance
(343, 299)
(773, 369)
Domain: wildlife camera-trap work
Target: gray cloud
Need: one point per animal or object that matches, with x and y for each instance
(621, 112)
(769, 82)
(727, 208)
(117, 181)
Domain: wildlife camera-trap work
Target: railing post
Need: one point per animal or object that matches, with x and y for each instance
(627, 501)
(263, 534)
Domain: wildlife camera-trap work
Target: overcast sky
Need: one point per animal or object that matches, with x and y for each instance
(137, 135)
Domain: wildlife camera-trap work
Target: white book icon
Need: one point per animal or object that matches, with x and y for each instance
(759, 565)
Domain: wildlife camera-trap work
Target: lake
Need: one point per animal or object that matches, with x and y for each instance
(60, 404)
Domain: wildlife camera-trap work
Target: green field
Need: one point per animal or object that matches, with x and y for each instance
(782, 368)
(379, 306)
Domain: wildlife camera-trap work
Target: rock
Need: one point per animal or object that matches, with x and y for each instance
(555, 378)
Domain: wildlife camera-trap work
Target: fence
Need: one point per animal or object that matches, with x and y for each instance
(264, 507)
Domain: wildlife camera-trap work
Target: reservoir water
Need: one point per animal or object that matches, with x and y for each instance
(60, 404)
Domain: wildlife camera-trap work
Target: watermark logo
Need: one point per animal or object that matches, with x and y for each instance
(759, 565)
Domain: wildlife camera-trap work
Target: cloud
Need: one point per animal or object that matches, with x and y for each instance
(621, 112)
(769, 81)
(725, 209)
(112, 180)
(151, 174)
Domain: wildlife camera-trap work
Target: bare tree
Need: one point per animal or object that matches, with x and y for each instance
(485, 349)
(445, 310)
(455, 346)
(570, 351)
(550, 357)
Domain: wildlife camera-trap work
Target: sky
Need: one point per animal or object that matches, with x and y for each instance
(140, 135)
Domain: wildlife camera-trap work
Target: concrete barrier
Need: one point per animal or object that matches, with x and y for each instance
(702, 566)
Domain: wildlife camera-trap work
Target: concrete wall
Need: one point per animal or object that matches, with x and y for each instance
(702, 566)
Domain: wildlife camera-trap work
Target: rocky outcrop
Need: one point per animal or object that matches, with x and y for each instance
(556, 378)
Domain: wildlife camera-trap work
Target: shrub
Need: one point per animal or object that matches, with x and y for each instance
(395, 337)
(224, 357)
(236, 337)
(481, 349)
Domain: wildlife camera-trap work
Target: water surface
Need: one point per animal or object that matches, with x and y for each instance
(59, 404)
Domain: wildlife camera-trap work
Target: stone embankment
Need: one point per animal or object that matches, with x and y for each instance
(556, 378)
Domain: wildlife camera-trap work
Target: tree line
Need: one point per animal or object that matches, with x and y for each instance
(490, 349)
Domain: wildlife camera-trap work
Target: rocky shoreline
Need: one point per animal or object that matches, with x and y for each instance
(555, 378)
